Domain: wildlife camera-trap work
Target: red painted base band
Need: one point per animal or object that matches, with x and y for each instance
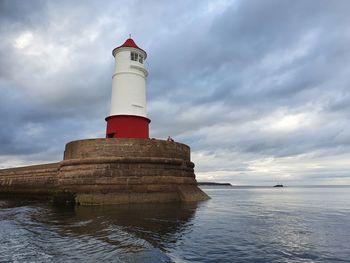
(127, 126)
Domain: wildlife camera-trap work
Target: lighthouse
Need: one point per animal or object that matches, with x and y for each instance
(128, 118)
(127, 169)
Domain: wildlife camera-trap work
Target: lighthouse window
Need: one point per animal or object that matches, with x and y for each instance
(136, 57)
(141, 59)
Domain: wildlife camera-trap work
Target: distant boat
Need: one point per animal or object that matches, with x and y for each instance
(278, 185)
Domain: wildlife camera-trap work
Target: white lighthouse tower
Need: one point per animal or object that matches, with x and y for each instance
(128, 117)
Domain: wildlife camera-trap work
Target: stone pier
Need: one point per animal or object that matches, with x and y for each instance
(110, 171)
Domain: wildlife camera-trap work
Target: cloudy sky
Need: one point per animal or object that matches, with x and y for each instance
(260, 90)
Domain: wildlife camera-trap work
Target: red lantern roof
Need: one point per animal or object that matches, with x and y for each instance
(129, 43)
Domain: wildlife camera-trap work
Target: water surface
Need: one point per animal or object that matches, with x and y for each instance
(291, 224)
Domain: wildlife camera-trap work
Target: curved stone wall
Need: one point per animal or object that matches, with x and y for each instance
(126, 170)
(112, 147)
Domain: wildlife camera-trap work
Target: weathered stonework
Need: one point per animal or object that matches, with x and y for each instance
(111, 171)
(36, 181)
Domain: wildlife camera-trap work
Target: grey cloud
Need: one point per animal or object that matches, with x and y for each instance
(16, 11)
(215, 76)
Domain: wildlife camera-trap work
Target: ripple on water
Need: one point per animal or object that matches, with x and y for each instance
(243, 225)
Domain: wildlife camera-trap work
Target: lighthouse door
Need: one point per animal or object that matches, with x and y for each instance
(110, 135)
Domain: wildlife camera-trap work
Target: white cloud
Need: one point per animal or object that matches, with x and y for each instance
(23, 40)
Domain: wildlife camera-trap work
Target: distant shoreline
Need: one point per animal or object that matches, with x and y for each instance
(271, 186)
(212, 183)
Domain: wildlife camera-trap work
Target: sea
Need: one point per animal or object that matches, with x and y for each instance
(238, 224)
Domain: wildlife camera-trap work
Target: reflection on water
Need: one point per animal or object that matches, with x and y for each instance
(236, 225)
(125, 233)
(157, 224)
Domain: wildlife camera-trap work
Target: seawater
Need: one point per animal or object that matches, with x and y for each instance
(253, 224)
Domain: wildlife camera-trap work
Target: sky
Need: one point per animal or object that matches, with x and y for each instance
(260, 90)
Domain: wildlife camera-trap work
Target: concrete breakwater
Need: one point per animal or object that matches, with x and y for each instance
(110, 171)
